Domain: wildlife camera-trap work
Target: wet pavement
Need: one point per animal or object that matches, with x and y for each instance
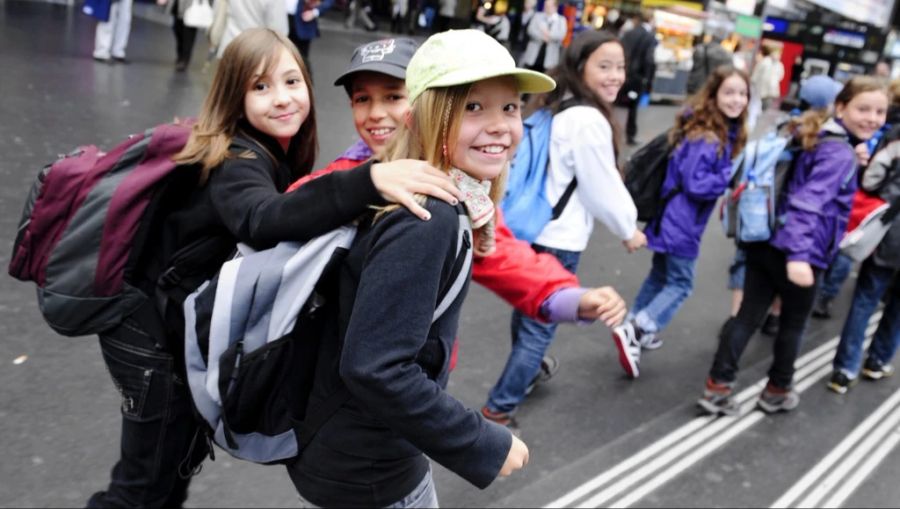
(595, 437)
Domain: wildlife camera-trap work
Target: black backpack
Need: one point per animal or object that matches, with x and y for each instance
(645, 171)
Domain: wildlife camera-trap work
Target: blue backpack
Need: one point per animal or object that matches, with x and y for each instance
(761, 174)
(525, 203)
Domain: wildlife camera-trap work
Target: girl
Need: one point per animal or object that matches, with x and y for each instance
(255, 133)
(705, 137)
(387, 355)
(582, 147)
(812, 215)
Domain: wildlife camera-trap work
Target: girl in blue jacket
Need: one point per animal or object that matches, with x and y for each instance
(812, 217)
(705, 137)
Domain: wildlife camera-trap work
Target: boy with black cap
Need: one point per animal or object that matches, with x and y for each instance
(534, 283)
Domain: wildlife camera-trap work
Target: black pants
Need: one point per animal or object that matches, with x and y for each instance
(184, 38)
(631, 122)
(766, 277)
(160, 443)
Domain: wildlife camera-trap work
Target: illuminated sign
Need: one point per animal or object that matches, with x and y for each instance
(873, 12)
(844, 38)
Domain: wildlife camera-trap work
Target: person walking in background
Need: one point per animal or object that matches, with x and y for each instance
(767, 75)
(111, 37)
(640, 44)
(707, 57)
(815, 205)
(707, 134)
(359, 10)
(245, 14)
(546, 30)
(877, 280)
(184, 35)
(306, 23)
(582, 147)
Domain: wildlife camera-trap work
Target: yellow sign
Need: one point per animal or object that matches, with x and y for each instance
(698, 6)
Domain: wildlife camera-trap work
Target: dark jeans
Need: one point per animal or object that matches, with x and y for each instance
(184, 40)
(160, 444)
(530, 340)
(631, 121)
(835, 276)
(766, 277)
(871, 285)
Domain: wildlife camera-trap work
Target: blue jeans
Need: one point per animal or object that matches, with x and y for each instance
(161, 443)
(670, 282)
(871, 284)
(530, 340)
(737, 270)
(423, 495)
(835, 276)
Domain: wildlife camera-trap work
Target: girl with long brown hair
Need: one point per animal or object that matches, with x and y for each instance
(707, 135)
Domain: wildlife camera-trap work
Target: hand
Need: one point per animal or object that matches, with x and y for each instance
(516, 459)
(162, 2)
(800, 273)
(397, 182)
(308, 15)
(862, 154)
(637, 241)
(603, 304)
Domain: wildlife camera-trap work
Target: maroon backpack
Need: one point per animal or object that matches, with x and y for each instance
(84, 224)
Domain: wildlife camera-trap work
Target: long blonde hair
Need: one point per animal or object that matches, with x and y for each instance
(220, 117)
(807, 127)
(431, 132)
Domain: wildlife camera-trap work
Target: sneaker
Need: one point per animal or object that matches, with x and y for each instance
(770, 326)
(874, 370)
(822, 308)
(629, 348)
(717, 398)
(648, 340)
(775, 399)
(840, 382)
(502, 418)
(549, 367)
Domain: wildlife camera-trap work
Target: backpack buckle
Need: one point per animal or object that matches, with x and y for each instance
(170, 278)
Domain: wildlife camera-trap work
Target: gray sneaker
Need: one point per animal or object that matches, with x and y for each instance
(775, 399)
(649, 340)
(718, 398)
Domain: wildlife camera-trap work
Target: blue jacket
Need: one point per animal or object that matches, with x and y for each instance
(308, 30)
(702, 173)
(818, 198)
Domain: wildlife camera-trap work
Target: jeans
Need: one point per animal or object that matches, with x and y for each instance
(835, 276)
(184, 37)
(670, 282)
(423, 495)
(871, 285)
(111, 37)
(530, 340)
(766, 277)
(737, 270)
(161, 442)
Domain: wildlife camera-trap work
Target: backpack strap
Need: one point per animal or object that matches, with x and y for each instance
(451, 289)
(567, 194)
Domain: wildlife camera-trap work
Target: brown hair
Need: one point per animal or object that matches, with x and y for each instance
(703, 118)
(894, 89)
(808, 125)
(220, 117)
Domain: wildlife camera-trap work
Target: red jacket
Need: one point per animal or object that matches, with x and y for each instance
(514, 271)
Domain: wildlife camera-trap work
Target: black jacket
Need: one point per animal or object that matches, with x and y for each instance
(394, 363)
(639, 45)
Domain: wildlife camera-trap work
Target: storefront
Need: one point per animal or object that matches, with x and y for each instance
(676, 29)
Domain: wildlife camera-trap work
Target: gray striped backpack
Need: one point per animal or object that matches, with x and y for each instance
(252, 335)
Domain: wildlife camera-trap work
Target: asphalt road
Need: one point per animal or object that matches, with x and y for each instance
(596, 438)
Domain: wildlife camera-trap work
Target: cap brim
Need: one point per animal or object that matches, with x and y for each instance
(392, 70)
(530, 82)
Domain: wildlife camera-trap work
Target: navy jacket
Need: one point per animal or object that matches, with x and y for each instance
(395, 363)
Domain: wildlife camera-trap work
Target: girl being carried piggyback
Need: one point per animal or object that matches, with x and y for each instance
(386, 351)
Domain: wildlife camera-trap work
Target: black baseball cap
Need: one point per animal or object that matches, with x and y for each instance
(387, 56)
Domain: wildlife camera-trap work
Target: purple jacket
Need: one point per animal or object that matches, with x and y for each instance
(703, 174)
(819, 195)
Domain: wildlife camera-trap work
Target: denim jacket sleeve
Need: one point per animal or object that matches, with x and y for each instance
(704, 173)
(818, 180)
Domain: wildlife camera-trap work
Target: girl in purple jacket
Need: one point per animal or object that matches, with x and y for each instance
(812, 216)
(705, 137)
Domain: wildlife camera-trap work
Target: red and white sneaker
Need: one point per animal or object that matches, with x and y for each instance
(629, 348)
